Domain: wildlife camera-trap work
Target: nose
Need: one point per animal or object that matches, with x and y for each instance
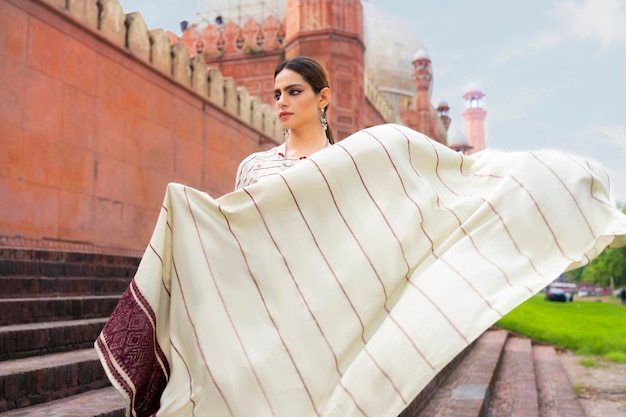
(281, 101)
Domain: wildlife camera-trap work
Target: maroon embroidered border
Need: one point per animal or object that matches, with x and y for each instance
(131, 340)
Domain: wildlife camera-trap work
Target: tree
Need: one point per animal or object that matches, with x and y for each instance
(611, 263)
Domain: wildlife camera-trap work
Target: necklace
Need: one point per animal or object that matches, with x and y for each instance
(291, 162)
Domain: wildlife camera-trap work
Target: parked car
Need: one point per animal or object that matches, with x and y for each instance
(561, 291)
(584, 292)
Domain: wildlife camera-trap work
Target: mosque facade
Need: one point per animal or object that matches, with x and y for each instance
(101, 112)
(247, 40)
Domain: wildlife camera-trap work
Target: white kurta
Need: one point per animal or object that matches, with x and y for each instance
(341, 286)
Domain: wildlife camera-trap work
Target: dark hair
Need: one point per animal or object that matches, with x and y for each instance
(313, 73)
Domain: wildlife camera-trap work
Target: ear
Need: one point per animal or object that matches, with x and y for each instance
(324, 97)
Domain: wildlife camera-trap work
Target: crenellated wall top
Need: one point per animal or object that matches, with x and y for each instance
(172, 55)
(178, 56)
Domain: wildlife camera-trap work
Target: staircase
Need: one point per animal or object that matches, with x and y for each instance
(501, 375)
(53, 305)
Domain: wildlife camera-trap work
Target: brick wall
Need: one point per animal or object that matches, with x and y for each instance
(91, 131)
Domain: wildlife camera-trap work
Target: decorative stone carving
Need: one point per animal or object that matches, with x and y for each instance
(210, 35)
(192, 40)
(250, 30)
(230, 33)
(380, 102)
(271, 26)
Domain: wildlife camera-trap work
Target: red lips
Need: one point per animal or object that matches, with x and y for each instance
(284, 114)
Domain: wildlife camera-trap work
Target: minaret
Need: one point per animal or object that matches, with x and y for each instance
(331, 32)
(474, 115)
(420, 117)
(443, 110)
(423, 78)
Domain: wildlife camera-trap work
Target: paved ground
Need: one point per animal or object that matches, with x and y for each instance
(602, 388)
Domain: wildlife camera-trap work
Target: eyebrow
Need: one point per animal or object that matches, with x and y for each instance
(290, 86)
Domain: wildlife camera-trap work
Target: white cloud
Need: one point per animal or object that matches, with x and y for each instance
(602, 20)
(524, 48)
(614, 136)
(590, 20)
(522, 101)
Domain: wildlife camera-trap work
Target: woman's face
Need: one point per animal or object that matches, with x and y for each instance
(297, 104)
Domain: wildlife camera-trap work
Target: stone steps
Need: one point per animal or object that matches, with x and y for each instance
(41, 309)
(31, 339)
(465, 391)
(515, 390)
(53, 305)
(63, 269)
(39, 379)
(103, 402)
(48, 366)
(503, 375)
(554, 390)
(25, 287)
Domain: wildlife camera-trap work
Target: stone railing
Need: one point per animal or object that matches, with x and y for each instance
(380, 103)
(131, 32)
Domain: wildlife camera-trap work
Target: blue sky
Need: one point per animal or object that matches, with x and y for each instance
(553, 71)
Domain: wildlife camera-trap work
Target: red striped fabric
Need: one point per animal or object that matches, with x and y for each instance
(341, 286)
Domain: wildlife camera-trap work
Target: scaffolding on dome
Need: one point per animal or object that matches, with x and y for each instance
(222, 11)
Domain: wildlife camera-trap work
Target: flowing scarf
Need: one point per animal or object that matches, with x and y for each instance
(340, 287)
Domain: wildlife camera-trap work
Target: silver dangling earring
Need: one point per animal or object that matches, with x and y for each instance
(324, 120)
(286, 134)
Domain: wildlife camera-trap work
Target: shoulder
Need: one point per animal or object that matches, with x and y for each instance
(258, 161)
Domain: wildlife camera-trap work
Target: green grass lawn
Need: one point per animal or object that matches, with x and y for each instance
(587, 327)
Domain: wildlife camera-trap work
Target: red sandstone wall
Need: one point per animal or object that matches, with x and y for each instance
(90, 135)
(255, 73)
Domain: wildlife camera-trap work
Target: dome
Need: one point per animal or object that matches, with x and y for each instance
(459, 138)
(390, 47)
(420, 54)
(443, 104)
(473, 88)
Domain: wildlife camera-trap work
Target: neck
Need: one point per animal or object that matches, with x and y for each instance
(300, 144)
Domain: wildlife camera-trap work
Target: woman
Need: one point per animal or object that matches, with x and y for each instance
(302, 96)
(342, 287)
